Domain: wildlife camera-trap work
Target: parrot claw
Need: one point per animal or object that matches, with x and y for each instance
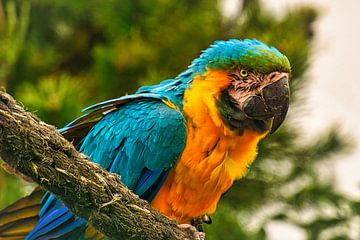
(197, 222)
(206, 219)
(190, 228)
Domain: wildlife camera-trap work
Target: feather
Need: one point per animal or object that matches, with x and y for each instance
(18, 219)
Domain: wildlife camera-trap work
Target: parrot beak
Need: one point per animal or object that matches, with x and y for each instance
(277, 97)
(271, 103)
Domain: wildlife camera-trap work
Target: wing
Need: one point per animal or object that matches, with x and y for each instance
(77, 129)
(139, 139)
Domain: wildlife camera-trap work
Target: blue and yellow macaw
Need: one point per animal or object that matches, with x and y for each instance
(179, 144)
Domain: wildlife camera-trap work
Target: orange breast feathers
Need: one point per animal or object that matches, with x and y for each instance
(213, 157)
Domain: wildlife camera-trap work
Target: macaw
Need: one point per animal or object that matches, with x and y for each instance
(179, 144)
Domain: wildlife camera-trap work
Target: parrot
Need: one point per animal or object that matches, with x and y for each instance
(179, 144)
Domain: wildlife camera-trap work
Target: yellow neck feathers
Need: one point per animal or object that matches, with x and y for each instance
(213, 157)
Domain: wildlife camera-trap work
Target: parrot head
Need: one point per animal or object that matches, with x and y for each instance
(254, 87)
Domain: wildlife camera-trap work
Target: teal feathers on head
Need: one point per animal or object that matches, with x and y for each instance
(248, 53)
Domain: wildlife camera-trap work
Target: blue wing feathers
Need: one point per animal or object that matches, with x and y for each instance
(148, 178)
(123, 99)
(49, 201)
(140, 141)
(58, 221)
(51, 222)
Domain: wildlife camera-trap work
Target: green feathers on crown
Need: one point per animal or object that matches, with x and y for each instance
(250, 54)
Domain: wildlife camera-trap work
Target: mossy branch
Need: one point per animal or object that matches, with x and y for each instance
(38, 151)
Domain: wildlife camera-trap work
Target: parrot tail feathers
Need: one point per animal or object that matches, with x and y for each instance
(18, 219)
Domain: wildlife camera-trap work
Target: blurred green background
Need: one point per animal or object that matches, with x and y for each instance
(59, 56)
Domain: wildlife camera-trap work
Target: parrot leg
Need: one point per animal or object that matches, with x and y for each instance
(206, 219)
(197, 222)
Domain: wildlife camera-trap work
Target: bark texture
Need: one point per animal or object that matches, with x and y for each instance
(38, 151)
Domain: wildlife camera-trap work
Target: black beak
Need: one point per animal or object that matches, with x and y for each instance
(277, 97)
(272, 102)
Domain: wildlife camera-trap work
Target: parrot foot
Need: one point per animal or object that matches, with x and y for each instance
(199, 235)
(206, 219)
(197, 222)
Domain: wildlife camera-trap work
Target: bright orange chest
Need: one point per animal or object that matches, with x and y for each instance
(212, 159)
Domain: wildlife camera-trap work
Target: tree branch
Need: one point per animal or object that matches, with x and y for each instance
(38, 151)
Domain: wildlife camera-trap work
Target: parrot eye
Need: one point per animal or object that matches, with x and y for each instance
(243, 73)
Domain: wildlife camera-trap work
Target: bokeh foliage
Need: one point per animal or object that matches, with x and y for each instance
(79, 52)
